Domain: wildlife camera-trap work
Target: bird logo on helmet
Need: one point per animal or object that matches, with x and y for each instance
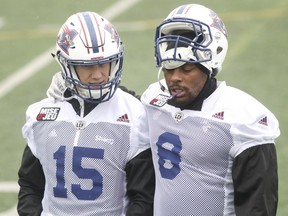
(65, 39)
(218, 23)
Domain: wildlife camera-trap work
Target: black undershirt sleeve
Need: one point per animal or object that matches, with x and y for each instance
(32, 182)
(255, 180)
(140, 185)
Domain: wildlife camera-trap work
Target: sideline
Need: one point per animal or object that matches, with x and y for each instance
(44, 59)
(36, 65)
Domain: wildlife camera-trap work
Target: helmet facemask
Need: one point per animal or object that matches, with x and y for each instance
(180, 46)
(93, 93)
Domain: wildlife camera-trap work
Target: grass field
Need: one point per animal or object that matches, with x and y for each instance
(256, 62)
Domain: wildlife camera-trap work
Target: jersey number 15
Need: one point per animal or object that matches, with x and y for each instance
(84, 173)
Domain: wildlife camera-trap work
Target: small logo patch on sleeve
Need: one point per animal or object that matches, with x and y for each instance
(160, 100)
(264, 121)
(48, 114)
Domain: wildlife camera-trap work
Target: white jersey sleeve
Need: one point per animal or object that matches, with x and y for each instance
(252, 123)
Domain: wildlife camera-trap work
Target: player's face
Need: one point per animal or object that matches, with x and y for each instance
(185, 83)
(94, 74)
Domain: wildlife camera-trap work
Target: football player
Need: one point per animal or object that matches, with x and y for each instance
(84, 155)
(213, 145)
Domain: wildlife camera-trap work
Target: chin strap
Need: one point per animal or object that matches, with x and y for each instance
(214, 72)
(162, 87)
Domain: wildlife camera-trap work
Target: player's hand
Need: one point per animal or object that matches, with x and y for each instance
(57, 88)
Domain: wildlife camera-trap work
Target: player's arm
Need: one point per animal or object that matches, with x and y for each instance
(140, 185)
(32, 182)
(255, 180)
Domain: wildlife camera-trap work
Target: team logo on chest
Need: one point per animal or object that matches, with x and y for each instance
(48, 114)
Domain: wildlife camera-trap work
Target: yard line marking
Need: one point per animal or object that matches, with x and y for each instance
(8, 187)
(47, 30)
(2, 22)
(43, 59)
(238, 48)
(118, 8)
(25, 72)
(10, 212)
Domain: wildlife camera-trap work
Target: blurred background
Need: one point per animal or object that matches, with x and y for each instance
(256, 62)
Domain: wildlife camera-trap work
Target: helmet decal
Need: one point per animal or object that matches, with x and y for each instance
(217, 23)
(183, 9)
(65, 40)
(91, 32)
(114, 35)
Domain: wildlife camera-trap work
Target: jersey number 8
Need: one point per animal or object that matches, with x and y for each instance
(169, 147)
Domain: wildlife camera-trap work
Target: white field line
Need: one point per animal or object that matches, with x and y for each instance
(9, 187)
(2, 22)
(118, 8)
(10, 212)
(45, 58)
(25, 72)
(33, 67)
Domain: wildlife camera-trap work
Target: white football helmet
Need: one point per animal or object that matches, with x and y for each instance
(191, 33)
(86, 39)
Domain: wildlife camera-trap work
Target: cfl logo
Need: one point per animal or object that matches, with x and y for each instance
(178, 116)
(80, 125)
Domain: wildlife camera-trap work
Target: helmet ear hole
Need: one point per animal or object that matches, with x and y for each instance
(219, 50)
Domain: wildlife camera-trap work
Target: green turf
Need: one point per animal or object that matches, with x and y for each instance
(256, 61)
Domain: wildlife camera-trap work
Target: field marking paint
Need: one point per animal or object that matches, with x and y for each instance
(10, 212)
(25, 72)
(45, 58)
(118, 8)
(142, 25)
(2, 22)
(241, 46)
(9, 187)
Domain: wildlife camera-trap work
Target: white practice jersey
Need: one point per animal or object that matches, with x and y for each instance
(84, 158)
(193, 151)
